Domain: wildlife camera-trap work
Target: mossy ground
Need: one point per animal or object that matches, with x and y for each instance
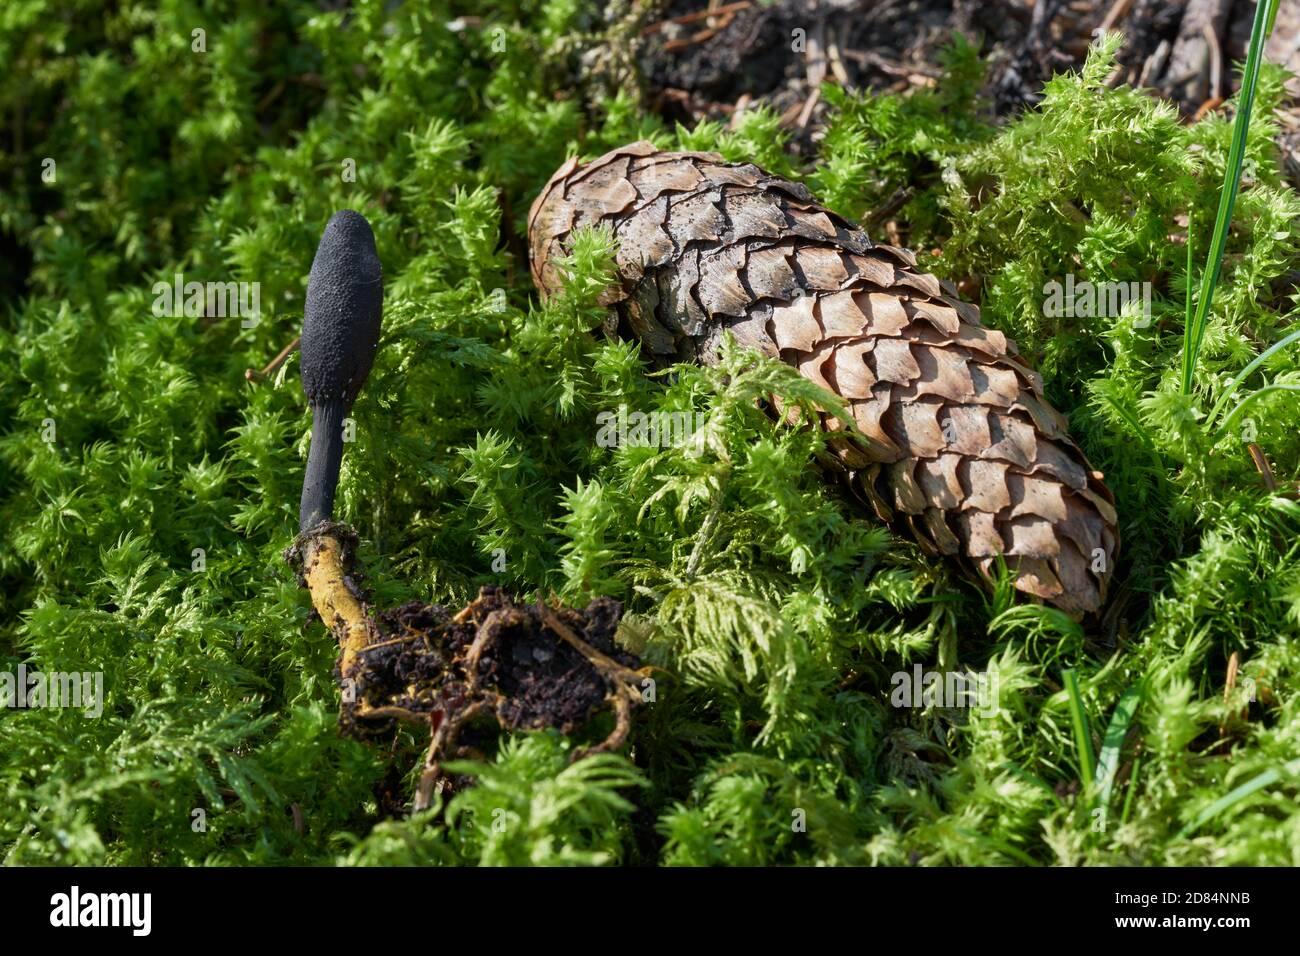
(777, 611)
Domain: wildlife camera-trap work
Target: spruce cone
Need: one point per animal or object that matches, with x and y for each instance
(958, 446)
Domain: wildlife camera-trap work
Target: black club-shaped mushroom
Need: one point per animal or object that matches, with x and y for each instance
(340, 333)
(341, 322)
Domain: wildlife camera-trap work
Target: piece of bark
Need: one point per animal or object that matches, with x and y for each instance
(958, 446)
(1187, 74)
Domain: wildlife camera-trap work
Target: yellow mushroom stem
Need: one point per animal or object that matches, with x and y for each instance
(340, 608)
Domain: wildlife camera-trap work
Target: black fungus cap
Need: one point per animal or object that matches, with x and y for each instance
(345, 294)
(340, 332)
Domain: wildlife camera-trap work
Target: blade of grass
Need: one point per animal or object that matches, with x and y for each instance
(1232, 416)
(1126, 414)
(1259, 360)
(1113, 742)
(1194, 335)
(1188, 299)
(1238, 794)
(1132, 788)
(1082, 732)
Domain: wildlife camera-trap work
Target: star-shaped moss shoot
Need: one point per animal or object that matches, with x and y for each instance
(340, 333)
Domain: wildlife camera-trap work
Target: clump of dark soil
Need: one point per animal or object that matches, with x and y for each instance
(695, 60)
(517, 666)
(702, 64)
(715, 59)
